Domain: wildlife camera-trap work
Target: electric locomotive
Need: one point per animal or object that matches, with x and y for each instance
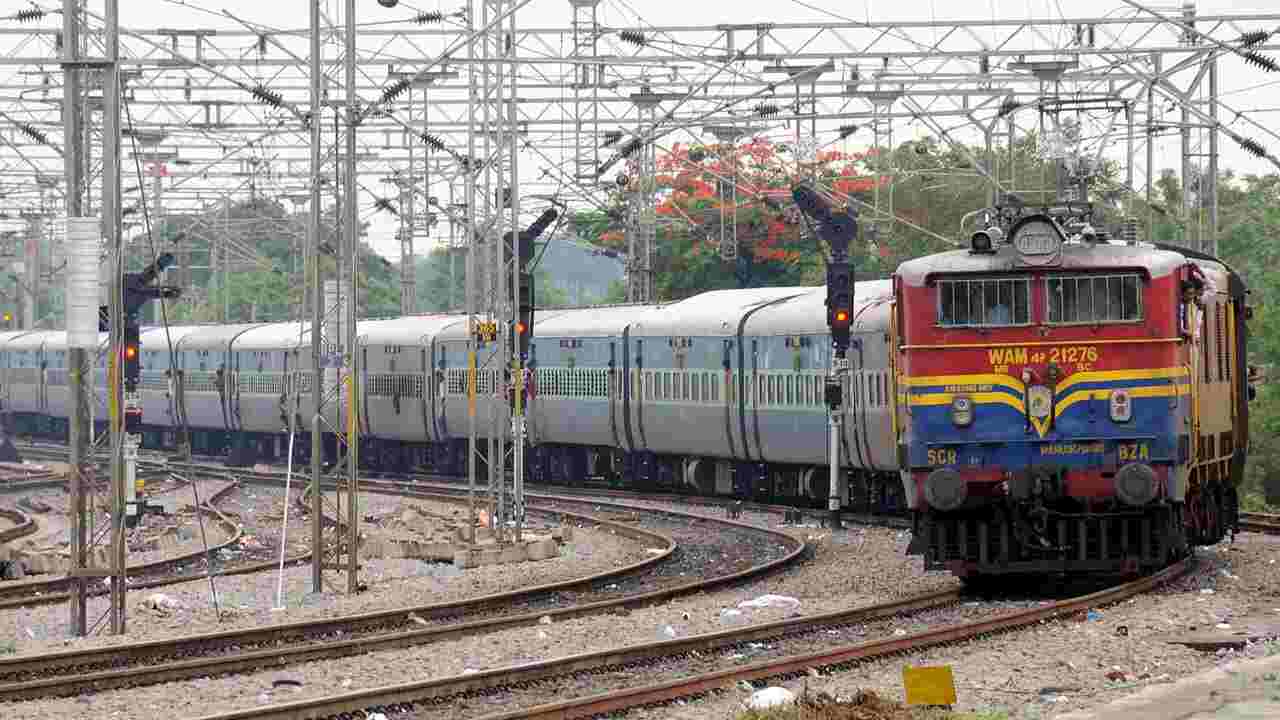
(1066, 402)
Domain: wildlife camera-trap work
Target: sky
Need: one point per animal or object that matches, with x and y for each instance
(1240, 84)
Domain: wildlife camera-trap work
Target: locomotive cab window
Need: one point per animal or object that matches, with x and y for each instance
(988, 302)
(1093, 299)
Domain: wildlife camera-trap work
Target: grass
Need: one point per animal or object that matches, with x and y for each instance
(1256, 502)
(865, 705)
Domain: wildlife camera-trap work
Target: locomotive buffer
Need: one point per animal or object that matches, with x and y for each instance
(139, 289)
(837, 228)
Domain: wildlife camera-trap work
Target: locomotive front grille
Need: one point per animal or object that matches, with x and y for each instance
(1066, 542)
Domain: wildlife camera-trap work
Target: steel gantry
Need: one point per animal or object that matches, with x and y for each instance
(490, 113)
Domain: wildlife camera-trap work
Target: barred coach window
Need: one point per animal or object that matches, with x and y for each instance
(1092, 299)
(984, 303)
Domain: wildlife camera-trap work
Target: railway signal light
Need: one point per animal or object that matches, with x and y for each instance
(524, 316)
(840, 304)
(522, 329)
(130, 355)
(838, 228)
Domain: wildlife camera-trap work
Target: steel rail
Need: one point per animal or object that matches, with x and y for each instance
(431, 691)
(421, 480)
(23, 525)
(42, 666)
(407, 696)
(26, 588)
(1259, 523)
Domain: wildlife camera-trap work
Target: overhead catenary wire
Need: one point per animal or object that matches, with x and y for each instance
(173, 370)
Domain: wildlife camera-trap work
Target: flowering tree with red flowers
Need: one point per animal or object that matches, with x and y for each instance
(703, 191)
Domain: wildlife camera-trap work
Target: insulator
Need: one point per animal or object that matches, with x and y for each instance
(1129, 230)
(1256, 37)
(28, 15)
(1251, 146)
(393, 91)
(1008, 106)
(766, 109)
(34, 134)
(847, 130)
(423, 18)
(635, 37)
(611, 137)
(431, 141)
(266, 96)
(1266, 63)
(385, 204)
(630, 148)
(604, 167)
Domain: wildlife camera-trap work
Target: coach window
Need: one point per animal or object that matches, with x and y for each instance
(994, 302)
(1093, 299)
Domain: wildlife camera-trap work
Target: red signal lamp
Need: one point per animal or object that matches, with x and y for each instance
(842, 316)
(130, 352)
(521, 328)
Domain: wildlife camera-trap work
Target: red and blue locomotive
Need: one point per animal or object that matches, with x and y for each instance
(1066, 402)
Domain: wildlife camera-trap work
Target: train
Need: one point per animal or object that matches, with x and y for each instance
(1069, 403)
(1045, 400)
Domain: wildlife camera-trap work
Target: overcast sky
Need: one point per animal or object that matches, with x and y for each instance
(1239, 82)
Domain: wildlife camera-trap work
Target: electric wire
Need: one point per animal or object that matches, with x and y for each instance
(173, 370)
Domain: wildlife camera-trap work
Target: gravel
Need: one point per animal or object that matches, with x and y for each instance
(247, 601)
(1069, 665)
(851, 567)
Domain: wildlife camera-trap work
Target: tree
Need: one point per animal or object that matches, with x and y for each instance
(921, 189)
(259, 290)
(706, 193)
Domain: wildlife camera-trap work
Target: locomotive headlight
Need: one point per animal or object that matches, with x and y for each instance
(1136, 484)
(945, 489)
(1039, 401)
(1121, 407)
(962, 410)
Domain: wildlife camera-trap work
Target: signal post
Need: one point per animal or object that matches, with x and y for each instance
(837, 229)
(521, 247)
(138, 291)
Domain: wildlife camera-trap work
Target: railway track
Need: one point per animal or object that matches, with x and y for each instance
(1260, 523)
(642, 583)
(23, 525)
(797, 512)
(606, 681)
(25, 593)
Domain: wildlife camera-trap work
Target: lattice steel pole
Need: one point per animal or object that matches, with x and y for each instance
(516, 410)
(472, 299)
(77, 356)
(315, 236)
(586, 89)
(642, 229)
(116, 261)
(351, 354)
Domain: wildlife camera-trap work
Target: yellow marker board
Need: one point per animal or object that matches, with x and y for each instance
(929, 685)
